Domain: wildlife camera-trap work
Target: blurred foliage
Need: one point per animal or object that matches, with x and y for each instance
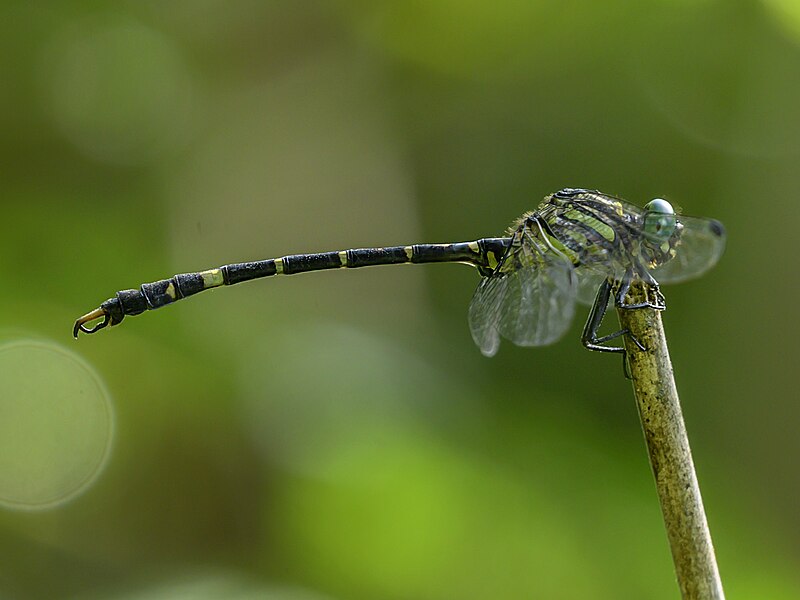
(338, 435)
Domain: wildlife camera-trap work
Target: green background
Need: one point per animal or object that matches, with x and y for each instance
(338, 435)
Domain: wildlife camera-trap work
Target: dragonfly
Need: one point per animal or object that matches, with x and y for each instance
(578, 247)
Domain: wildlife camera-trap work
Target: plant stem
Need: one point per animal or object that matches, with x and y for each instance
(670, 455)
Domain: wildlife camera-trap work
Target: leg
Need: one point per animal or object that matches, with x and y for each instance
(596, 314)
(625, 285)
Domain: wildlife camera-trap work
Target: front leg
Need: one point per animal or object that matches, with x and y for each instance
(589, 337)
(624, 285)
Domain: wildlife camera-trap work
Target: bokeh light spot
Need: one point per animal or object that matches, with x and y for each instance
(56, 425)
(118, 90)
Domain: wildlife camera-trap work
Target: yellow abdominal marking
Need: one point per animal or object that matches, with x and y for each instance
(343, 258)
(170, 291)
(212, 278)
(278, 266)
(409, 252)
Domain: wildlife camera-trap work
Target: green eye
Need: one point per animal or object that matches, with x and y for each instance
(659, 219)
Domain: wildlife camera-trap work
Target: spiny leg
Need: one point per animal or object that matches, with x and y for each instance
(652, 287)
(589, 337)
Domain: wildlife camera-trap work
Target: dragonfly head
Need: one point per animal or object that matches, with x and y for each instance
(661, 232)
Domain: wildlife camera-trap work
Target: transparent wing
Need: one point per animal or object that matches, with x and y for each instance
(589, 278)
(484, 313)
(539, 304)
(529, 299)
(701, 243)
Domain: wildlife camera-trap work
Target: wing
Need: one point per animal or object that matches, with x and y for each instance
(589, 279)
(529, 299)
(701, 243)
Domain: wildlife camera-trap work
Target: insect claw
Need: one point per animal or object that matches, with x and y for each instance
(626, 366)
(636, 341)
(80, 324)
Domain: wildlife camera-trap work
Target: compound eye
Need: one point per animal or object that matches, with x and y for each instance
(659, 205)
(659, 219)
